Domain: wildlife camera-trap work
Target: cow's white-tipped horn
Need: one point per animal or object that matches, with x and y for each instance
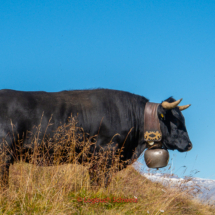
(183, 107)
(171, 105)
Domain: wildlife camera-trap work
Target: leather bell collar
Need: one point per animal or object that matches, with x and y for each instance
(152, 131)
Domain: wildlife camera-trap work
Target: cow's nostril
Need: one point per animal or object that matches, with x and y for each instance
(190, 146)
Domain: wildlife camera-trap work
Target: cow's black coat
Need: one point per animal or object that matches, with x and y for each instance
(101, 111)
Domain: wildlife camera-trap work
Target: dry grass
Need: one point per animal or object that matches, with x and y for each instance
(66, 189)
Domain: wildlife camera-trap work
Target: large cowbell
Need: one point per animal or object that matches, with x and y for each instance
(155, 156)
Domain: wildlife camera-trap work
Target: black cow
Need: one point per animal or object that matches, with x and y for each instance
(101, 111)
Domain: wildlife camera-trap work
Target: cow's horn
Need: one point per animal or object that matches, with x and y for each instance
(171, 105)
(183, 107)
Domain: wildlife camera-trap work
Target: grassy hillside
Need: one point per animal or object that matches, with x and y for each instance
(62, 189)
(66, 189)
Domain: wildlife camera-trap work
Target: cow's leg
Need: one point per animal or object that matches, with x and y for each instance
(4, 176)
(93, 175)
(5, 161)
(108, 177)
(100, 172)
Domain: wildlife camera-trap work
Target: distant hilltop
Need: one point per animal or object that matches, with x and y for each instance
(205, 188)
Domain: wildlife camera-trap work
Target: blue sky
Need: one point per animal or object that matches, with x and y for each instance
(155, 49)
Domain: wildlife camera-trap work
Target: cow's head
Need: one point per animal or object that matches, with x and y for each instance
(172, 124)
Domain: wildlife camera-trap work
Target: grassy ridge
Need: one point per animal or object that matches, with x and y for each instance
(62, 189)
(66, 189)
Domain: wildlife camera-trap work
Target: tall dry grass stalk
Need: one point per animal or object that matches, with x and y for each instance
(66, 174)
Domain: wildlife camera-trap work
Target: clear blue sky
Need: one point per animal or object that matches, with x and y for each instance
(155, 49)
